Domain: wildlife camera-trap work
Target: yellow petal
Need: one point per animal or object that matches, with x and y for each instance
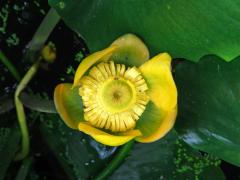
(68, 104)
(162, 89)
(106, 138)
(157, 121)
(89, 61)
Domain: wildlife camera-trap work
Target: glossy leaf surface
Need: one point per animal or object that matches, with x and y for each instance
(82, 157)
(168, 158)
(183, 28)
(209, 101)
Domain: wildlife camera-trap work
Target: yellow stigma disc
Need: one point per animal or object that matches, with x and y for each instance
(113, 97)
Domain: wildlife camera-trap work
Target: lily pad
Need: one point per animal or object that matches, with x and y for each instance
(209, 101)
(183, 28)
(168, 158)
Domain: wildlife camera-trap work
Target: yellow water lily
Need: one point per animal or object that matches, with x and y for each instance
(118, 94)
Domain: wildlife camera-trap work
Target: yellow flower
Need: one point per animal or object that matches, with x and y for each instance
(118, 94)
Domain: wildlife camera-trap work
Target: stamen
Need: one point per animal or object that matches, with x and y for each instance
(114, 98)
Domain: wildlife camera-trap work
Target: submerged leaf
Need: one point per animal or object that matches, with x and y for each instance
(79, 155)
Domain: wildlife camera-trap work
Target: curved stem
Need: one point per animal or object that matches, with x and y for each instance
(39, 38)
(117, 160)
(10, 66)
(20, 111)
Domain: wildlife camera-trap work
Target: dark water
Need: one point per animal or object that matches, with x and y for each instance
(23, 18)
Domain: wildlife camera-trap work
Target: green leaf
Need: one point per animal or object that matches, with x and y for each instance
(183, 28)
(209, 101)
(80, 156)
(37, 103)
(168, 158)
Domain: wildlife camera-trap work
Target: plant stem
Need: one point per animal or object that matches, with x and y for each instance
(20, 111)
(38, 40)
(117, 160)
(44, 30)
(10, 66)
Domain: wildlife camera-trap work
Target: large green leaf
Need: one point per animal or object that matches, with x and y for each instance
(209, 106)
(184, 28)
(168, 158)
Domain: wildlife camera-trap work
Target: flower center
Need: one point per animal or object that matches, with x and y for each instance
(117, 95)
(113, 97)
